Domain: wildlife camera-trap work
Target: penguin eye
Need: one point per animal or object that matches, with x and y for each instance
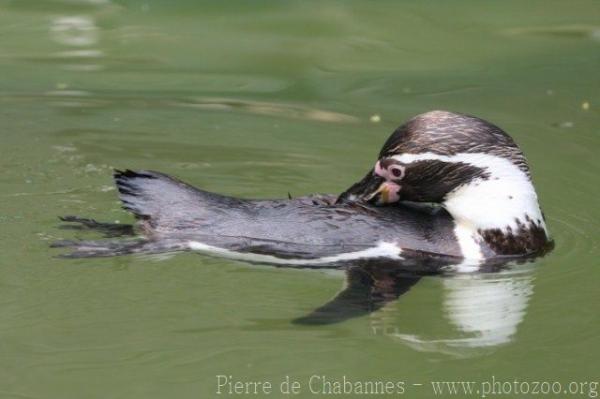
(396, 171)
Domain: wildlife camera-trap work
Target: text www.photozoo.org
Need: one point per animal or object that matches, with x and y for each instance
(330, 386)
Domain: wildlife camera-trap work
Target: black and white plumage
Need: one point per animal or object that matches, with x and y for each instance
(447, 190)
(473, 170)
(308, 231)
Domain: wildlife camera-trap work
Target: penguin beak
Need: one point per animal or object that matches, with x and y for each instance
(372, 188)
(386, 192)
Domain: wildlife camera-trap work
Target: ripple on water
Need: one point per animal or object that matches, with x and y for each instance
(572, 221)
(575, 31)
(269, 108)
(64, 96)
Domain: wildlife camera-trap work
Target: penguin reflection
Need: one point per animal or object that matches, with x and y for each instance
(484, 309)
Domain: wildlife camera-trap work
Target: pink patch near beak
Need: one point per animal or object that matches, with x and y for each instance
(379, 171)
(388, 189)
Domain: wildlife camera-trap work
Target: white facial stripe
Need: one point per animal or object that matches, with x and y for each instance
(507, 195)
(497, 166)
(382, 250)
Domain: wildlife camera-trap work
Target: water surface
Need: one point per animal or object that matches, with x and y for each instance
(258, 100)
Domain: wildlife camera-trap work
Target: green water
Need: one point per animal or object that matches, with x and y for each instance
(258, 100)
